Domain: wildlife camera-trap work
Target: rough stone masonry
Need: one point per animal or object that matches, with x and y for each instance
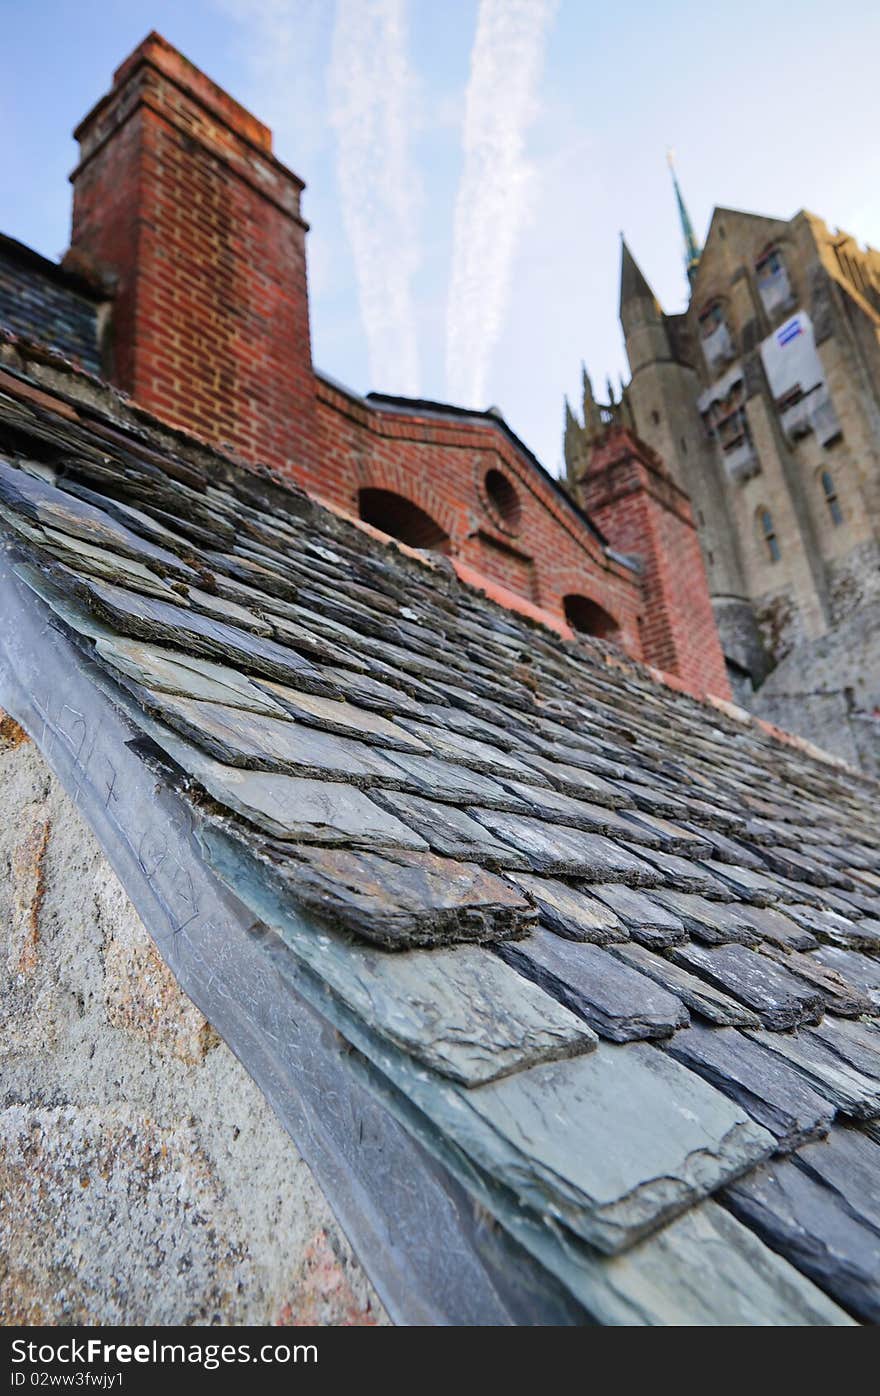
(143, 1176)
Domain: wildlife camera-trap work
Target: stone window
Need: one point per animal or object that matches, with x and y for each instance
(715, 335)
(829, 489)
(589, 618)
(403, 520)
(774, 286)
(502, 499)
(768, 533)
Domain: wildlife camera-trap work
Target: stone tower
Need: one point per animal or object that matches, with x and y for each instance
(763, 400)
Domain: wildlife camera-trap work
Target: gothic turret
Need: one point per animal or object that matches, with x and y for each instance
(642, 319)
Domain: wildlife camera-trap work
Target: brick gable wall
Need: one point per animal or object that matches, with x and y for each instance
(179, 197)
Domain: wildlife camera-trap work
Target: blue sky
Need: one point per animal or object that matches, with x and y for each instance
(470, 163)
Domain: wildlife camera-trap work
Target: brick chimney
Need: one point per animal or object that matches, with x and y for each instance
(178, 196)
(627, 491)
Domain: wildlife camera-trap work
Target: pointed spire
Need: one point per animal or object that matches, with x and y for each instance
(588, 398)
(572, 443)
(692, 248)
(633, 285)
(609, 391)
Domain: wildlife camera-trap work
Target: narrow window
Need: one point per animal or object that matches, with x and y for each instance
(773, 283)
(831, 498)
(711, 318)
(771, 542)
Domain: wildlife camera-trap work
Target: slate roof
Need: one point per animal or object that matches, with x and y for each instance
(610, 955)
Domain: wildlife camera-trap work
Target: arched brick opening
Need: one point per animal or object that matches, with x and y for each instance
(395, 514)
(503, 499)
(589, 618)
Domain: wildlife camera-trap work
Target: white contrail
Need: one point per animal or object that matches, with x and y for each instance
(282, 43)
(505, 66)
(370, 84)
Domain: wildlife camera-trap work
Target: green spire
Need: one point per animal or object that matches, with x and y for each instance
(692, 248)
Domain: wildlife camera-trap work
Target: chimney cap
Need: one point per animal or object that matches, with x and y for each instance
(155, 51)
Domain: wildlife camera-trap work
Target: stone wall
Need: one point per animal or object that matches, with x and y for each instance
(828, 690)
(143, 1177)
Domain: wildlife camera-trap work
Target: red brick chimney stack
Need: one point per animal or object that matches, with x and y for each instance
(627, 491)
(179, 197)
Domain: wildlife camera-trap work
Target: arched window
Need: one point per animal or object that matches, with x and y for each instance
(503, 498)
(711, 316)
(774, 286)
(830, 491)
(402, 519)
(770, 263)
(715, 335)
(588, 618)
(768, 533)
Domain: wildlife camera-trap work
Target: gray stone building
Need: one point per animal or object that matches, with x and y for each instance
(763, 399)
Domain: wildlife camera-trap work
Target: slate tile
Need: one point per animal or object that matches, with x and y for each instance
(431, 777)
(186, 675)
(575, 781)
(614, 1142)
(257, 742)
(850, 1166)
(810, 1225)
(838, 995)
(696, 994)
(859, 969)
(707, 1269)
(146, 618)
(674, 838)
(108, 566)
(725, 850)
(828, 899)
(571, 912)
(775, 928)
(401, 900)
(834, 929)
(713, 923)
(748, 884)
(367, 691)
(333, 715)
(552, 805)
(477, 755)
(222, 609)
(451, 832)
(54, 508)
(855, 1042)
(616, 1000)
(455, 719)
(780, 1000)
(852, 1092)
(558, 849)
(643, 916)
(682, 875)
(653, 800)
(795, 864)
(461, 1011)
(772, 1092)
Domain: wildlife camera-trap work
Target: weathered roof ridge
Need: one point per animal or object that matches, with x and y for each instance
(601, 951)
